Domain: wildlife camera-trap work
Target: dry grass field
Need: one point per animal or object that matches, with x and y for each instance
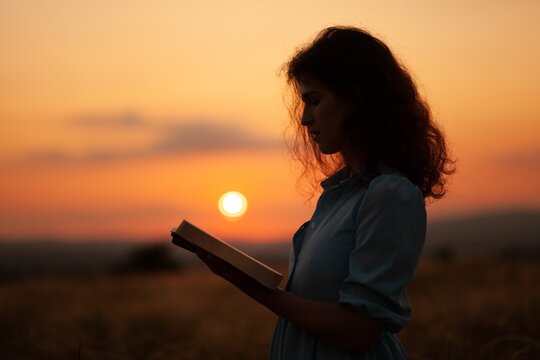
(462, 310)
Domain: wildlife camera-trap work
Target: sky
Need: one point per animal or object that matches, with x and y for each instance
(118, 119)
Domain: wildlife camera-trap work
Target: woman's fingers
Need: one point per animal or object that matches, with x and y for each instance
(214, 263)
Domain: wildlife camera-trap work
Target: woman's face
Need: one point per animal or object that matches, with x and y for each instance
(324, 116)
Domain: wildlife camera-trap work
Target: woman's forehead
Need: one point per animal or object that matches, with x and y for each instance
(307, 85)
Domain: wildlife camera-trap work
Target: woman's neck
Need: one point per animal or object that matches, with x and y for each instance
(352, 162)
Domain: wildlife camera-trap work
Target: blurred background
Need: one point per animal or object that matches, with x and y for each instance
(118, 119)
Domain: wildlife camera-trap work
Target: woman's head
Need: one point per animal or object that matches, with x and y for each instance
(373, 111)
(324, 116)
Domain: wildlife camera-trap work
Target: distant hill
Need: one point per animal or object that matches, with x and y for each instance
(31, 258)
(49, 257)
(513, 234)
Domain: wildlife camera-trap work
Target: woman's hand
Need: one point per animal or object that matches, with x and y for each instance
(221, 267)
(225, 270)
(236, 277)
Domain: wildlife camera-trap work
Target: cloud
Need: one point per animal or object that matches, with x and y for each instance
(48, 156)
(529, 160)
(109, 121)
(208, 136)
(178, 136)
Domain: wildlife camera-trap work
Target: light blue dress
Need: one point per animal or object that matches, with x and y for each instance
(360, 248)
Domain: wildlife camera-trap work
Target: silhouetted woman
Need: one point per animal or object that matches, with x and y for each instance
(360, 121)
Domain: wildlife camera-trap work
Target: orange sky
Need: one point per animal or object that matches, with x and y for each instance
(119, 119)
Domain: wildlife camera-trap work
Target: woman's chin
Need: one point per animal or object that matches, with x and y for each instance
(327, 151)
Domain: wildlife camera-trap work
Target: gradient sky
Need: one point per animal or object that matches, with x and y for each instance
(120, 118)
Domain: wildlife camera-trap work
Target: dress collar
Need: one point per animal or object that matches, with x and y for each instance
(340, 177)
(344, 175)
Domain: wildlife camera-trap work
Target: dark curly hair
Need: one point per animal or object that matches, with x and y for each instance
(391, 124)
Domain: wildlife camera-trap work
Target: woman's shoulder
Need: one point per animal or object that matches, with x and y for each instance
(392, 200)
(393, 186)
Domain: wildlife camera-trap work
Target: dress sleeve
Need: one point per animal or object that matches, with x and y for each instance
(390, 233)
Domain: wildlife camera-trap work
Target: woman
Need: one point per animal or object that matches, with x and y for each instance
(361, 122)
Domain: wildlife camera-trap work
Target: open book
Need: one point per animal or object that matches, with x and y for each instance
(191, 237)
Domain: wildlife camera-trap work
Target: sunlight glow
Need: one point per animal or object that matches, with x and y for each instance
(232, 204)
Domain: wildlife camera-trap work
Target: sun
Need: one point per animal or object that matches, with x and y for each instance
(232, 204)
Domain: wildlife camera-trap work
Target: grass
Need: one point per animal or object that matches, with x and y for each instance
(461, 310)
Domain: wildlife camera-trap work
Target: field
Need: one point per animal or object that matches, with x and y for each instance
(461, 310)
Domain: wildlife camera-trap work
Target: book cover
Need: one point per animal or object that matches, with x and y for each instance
(188, 236)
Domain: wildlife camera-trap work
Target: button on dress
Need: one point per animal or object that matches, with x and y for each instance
(360, 248)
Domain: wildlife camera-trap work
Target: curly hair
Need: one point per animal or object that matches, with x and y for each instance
(391, 123)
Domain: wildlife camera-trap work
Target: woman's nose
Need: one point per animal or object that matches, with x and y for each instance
(307, 119)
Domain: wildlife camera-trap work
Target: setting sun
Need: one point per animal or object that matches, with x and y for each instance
(232, 204)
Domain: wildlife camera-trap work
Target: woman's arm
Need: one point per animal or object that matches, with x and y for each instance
(336, 323)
